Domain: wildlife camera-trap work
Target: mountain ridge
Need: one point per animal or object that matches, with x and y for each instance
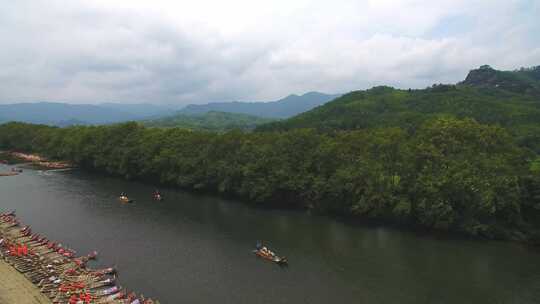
(64, 114)
(524, 80)
(486, 95)
(283, 108)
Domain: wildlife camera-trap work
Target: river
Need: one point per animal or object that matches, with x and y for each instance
(197, 249)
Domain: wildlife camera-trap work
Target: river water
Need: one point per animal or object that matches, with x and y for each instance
(197, 249)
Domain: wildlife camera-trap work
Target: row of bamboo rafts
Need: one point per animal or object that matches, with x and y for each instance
(55, 269)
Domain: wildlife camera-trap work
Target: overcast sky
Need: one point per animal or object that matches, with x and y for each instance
(178, 52)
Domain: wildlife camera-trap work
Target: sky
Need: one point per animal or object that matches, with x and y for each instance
(181, 52)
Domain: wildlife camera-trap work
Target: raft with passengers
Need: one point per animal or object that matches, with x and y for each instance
(156, 195)
(267, 254)
(124, 198)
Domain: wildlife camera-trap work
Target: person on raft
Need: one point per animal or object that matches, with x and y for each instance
(157, 195)
(262, 249)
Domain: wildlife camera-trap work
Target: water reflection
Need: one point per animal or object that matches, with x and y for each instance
(197, 249)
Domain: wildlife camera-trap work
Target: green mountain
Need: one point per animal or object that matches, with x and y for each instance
(508, 99)
(522, 81)
(440, 158)
(210, 121)
(64, 114)
(283, 108)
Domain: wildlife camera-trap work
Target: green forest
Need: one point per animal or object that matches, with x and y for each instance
(209, 121)
(457, 158)
(483, 100)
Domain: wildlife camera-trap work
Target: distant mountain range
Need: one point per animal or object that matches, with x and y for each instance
(283, 108)
(209, 121)
(63, 114)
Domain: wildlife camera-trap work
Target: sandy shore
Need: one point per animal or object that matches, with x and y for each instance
(37, 160)
(16, 289)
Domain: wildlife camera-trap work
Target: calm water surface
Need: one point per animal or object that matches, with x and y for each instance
(197, 249)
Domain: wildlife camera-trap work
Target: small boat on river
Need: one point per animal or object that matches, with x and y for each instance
(267, 254)
(156, 195)
(124, 198)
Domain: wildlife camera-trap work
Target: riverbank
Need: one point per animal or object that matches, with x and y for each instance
(15, 288)
(40, 161)
(196, 248)
(479, 189)
(55, 270)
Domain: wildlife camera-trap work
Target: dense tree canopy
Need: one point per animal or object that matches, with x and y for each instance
(209, 121)
(449, 174)
(451, 157)
(408, 109)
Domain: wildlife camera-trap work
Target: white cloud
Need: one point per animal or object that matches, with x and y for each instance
(200, 51)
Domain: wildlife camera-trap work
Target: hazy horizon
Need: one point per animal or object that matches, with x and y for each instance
(97, 102)
(179, 52)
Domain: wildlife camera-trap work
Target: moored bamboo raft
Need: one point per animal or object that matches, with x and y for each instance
(56, 270)
(9, 173)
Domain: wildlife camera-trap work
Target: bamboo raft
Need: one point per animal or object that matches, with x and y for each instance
(8, 173)
(56, 271)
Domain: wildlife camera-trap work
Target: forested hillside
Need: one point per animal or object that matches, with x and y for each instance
(522, 81)
(210, 121)
(481, 96)
(449, 174)
(462, 158)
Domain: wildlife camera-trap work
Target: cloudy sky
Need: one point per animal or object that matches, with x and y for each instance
(178, 52)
